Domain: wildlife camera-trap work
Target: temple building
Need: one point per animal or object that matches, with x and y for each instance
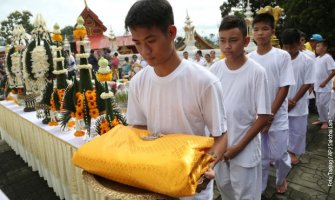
(125, 45)
(95, 29)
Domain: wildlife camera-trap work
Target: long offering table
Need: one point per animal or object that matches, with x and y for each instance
(46, 149)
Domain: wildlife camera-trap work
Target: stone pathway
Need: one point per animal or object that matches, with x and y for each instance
(18, 181)
(309, 179)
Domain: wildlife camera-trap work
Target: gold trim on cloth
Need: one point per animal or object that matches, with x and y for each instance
(114, 190)
(170, 165)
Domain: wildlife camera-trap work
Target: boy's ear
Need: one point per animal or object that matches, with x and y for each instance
(172, 31)
(246, 41)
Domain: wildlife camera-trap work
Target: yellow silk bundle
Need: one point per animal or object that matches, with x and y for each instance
(170, 165)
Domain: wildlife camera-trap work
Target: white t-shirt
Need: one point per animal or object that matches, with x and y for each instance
(323, 67)
(303, 70)
(201, 62)
(185, 101)
(245, 94)
(277, 64)
(309, 53)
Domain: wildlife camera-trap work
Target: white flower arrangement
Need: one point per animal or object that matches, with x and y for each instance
(104, 70)
(82, 55)
(40, 64)
(58, 72)
(60, 59)
(105, 95)
(88, 66)
(82, 42)
(15, 57)
(54, 48)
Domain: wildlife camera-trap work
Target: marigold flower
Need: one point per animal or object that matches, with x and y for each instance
(115, 122)
(104, 77)
(92, 104)
(79, 115)
(94, 113)
(57, 37)
(79, 33)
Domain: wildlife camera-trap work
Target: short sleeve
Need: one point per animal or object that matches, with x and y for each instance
(135, 115)
(286, 71)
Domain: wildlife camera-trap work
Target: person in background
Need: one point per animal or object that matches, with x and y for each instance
(208, 60)
(115, 66)
(71, 70)
(126, 67)
(239, 175)
(213, 56)
(93, 61)
(325, 71)
(297, 96)
(277, 64)
(199, 60)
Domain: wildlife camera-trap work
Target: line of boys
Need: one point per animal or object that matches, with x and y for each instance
(249, 95)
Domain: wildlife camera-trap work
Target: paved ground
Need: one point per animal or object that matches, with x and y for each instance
(18, 181)
(307, 180)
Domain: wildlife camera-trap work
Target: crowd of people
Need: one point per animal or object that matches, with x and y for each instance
(255, 105)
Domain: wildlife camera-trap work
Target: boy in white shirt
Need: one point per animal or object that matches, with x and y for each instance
(162, 97)
(325, 71)
(247, 104)
(297, 96)
(277, 64)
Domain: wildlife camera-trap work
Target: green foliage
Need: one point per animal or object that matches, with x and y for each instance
(121, 97)
(13, 19)
(309, 16)
(68, 32)
(9, 60)
(47, 94)
(50, 59)
(28, 60)
(99, 89)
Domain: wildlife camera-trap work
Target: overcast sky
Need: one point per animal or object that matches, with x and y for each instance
(205, 14)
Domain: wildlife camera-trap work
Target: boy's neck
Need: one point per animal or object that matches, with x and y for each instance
(235, 64)
(322, 54)
(168, 66)
(263, 49)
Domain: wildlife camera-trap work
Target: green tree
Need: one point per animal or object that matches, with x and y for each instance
(309, 16)
(68, 31)
(13, 19)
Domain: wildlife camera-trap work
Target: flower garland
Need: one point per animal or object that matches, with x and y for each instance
(40, 62)
(91, 103)
(82, 55)
(15, 57)
(105, 95)
(82, 42)
(60, 59)
(87, 66)
(80, 31)
(58, 72)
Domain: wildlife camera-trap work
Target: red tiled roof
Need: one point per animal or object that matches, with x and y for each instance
(87, 11)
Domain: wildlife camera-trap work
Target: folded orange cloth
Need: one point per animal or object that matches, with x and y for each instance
(170, 165)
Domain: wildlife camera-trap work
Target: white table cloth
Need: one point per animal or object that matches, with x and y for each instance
(46, 149)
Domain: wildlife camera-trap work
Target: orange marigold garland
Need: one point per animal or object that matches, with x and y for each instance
(80, 31)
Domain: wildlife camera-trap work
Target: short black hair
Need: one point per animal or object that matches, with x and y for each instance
(116, 54)
(302, 34)
(150, 13)
(266, 18)
(232, 21)
(290, 36)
